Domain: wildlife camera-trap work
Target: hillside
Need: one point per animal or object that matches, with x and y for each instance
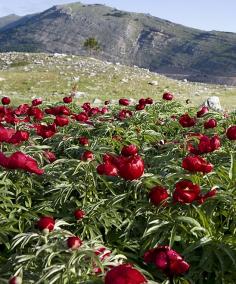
(52, 76)
(128, 38)
(5, 21)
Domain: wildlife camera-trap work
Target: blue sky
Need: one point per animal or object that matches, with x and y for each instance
(203, 14)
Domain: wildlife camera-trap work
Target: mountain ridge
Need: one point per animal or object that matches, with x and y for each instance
(129, 38)
(6, 20)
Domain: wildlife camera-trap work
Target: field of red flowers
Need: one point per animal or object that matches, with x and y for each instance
(125, 194)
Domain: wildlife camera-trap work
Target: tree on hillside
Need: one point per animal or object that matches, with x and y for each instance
(92, 45)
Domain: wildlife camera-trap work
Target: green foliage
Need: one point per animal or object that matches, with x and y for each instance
(92, 44)
(119, 215)
(19, 64)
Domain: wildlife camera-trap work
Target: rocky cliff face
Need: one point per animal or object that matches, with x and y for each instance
(129, 38)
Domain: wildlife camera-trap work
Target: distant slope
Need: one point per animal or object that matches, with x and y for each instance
(4, 21)
(20, 21)
(129, 38)
(28, 75)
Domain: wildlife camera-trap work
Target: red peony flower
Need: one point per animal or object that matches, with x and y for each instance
(209, 194)
(83, 141)
(142, 102)
(167, 96)
(15, 280)
(82, 117)
(79, 214)
(124, 113)
(204, 110)
(211, 123)
(94, 111)
(129, 150)
(107, 169)
(6, 134)
(196, 164)
(215, 143)
(124, 102)
(186, 192)
(104, 110)
(87, 156)
(207, 145)
(103, 253)
(157, 195)
(22, 109)
(61, 121)
(58, 110)
(50, 156)
(130, 168)
(86, 107)
(186, 121)
(36, 112)
(140, 106)
(124, 274)
(45, 131)
(74, 243)
(167, 260)
(6, 100)
(67, 100)
(108, 158)
(18, 137)
(37, 102)
(231, 133)
(46, 224)
(4, 161)
(149, 101)
(19, 160)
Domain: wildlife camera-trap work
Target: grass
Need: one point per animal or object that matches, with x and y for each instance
(52, 77)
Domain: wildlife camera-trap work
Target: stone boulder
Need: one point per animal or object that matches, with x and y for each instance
(213, 103)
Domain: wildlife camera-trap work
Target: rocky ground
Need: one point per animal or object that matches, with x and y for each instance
(51, 76)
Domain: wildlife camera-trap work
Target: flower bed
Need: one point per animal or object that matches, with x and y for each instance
(127, 194)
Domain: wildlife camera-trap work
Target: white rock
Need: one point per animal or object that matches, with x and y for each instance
(125, 80)
(78, 95)
(93, 74)
(113, 102)
(2, 79)
(38, 62)
(76, 79)
(132, 101)
(153, 83)
(213, 103)
(59, 55)
(97, 101)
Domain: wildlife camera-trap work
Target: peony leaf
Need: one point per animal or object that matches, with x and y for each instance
(232, 171)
